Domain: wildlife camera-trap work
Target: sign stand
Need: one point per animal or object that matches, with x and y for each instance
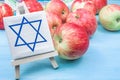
(17, 62)
(22, 9)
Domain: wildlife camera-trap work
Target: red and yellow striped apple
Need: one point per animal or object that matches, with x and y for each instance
(58, 7)
(84, 18)
(99, 4)
(33, 5)
(88, 5)
(54, 21)
(71, 41)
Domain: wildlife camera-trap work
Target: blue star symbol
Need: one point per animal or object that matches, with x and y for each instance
(19, 32)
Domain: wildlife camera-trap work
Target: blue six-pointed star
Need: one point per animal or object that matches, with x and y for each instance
(24, 41)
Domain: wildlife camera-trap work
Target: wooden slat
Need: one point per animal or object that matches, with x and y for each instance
(34, 58)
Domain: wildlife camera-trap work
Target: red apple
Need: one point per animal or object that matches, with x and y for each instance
(33, 5)
(99, 4)
(58, 7)
(53, 22)
(88, 5)
(71, 41)
(85, 19)
(5, 10)
(109, 17)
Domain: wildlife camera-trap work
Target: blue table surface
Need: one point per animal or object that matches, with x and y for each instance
(100, 62)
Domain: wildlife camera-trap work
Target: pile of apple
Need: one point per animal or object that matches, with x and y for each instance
(71, 26)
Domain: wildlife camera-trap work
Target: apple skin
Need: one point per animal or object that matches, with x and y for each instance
(83, 18)
(53, 22)
(71, 41)
(109, 17)
(33, 5)
(58, 7)
(88, 5)
(5, 10)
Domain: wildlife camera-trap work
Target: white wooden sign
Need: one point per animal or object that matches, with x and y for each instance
(28, 34)
(29, 37)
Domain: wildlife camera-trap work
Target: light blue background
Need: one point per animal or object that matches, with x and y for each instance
(100, 62)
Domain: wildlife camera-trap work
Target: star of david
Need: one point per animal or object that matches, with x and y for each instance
(19, 32)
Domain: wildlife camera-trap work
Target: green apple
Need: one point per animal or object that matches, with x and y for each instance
(109, 17)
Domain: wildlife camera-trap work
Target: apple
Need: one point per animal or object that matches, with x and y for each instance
(5, 10)
(99, 4)
(33, 5)
(84, 18)
(53, 21)
(58, 7)
(88, 5)
(71, 41)
(109, 17)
